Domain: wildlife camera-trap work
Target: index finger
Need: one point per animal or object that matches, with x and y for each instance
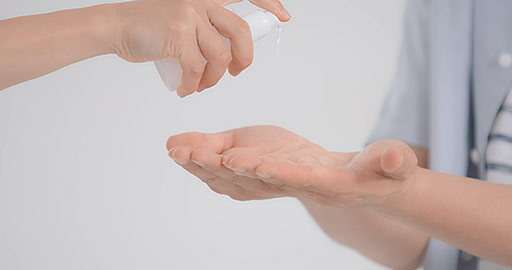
(237, 31)
(274, 6)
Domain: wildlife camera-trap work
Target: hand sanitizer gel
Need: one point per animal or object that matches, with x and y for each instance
(260, 22)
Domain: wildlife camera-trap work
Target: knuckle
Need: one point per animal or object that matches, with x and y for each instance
(246, 61)
(180, 28)
(243, 27)
(186, 23)
(196, 69)
(223, 56)
(189, 9)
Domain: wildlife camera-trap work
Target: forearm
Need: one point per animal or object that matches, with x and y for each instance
(470, 214)
(32, 46)
(379, 238)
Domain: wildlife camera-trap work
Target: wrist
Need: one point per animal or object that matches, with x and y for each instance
(411, 192)
(102, 26)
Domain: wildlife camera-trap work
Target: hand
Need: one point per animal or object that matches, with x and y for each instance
(265, 162)
(150, 30)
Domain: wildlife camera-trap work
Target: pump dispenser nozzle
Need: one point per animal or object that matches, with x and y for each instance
(260, 22)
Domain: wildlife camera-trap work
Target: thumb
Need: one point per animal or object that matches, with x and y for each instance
(398, 160)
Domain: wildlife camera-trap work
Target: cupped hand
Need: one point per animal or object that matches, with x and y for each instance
(263, 162)
(189, 30)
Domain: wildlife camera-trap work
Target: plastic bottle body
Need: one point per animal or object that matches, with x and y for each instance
(170, 71)
(260, 23)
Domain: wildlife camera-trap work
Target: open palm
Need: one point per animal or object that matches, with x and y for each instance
(263, 162)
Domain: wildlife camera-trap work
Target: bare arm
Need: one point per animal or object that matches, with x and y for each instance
(137, 31)
(386, 241)
(467, 213)
(32, 46)
(379, 238)
(383, 180)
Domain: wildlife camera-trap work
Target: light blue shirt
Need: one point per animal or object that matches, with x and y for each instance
(450, 48)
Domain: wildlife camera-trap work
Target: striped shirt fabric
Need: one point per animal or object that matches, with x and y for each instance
(498, 163)
(498, 155)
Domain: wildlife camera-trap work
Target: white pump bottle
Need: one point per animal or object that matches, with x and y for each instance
(260, 22)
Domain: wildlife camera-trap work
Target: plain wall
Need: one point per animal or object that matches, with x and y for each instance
(85, 181)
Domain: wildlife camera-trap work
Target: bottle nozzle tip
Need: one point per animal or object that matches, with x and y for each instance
(273, 20)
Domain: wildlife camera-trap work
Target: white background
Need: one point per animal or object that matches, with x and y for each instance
(85, 181)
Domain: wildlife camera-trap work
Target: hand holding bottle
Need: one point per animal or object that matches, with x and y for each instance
(189, 31)
(260, 24)
(137, 31)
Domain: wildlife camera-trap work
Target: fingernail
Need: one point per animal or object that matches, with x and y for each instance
(200, 164)
(171, 152)
(286, 14)
(180, 161)
(263, 175)
(239, 170)
(226, 164)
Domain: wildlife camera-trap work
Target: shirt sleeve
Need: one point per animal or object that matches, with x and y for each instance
(404, 115)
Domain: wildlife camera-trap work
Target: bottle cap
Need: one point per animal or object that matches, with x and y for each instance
(261, 23)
